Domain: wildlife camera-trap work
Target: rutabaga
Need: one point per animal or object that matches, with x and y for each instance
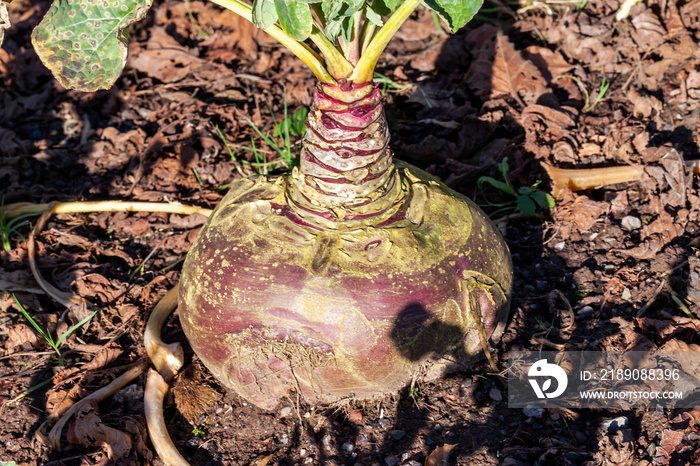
(351, 274)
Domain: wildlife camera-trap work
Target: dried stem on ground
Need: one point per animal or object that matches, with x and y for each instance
(579, 179)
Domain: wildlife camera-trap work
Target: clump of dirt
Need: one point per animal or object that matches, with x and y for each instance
(568, 85)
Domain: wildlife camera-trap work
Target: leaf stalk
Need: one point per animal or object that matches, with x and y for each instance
(301, 50)
(364, 70)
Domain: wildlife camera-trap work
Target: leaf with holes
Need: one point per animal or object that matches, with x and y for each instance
(84, 42)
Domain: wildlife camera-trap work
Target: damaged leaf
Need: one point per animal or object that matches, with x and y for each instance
(84, 42)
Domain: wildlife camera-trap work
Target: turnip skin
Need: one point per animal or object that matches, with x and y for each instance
(270, 304)
(347, 276)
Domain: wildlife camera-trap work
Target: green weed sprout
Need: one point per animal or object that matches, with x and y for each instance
(527, 198)
(55, 344)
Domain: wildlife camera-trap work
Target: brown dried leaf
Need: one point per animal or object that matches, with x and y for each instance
(648, 249)
(644, 105)
(670, 439)
(439, 456)
(617, 449)
(551, 63)
(544, 127)
(635, 340)
(88, 430)
(579, 211)
(648, 31)
(693, 289)
(21, 337)
(690, 14)
(18, 280)
(673, 433)
(58, 400)
(514, 75)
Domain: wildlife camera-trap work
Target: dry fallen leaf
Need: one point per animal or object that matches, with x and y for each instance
(88, 430)
(439, 456)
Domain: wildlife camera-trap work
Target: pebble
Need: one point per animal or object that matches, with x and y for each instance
(326, 439)
(534, 411)
(347, 446)
(391, 460)
(384, 423)
(398, 434)
(560, 246)
(193, 442)
(286, 411)
(631, 223)
(613, 425)
(626, 294)
(580, 436)
(585, 311)
(496, 394)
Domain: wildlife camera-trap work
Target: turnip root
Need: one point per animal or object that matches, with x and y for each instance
(352, 274)
(345, 278)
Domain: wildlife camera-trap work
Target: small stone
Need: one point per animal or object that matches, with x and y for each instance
(347, 446)
(326, 439)
(496, 394)
(398, 434)
(613, 425)
(391, 460)
(193, 442)
(384, 423)
(585, 311)
(580, 436)
(534, 411)
(631, 223)
(286, 411)
(560, 246)
(309, 460)
(626, 294)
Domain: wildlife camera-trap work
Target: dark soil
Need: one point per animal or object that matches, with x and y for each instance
(523, 84)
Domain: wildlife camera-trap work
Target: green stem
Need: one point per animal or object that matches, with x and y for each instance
(336, 63)
(364, 70)
(301, 50)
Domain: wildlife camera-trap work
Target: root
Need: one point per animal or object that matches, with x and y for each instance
(168, 358)
(589, 178)
(156, 388)
(15, 210)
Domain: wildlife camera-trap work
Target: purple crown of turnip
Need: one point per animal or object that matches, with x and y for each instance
(353, 273)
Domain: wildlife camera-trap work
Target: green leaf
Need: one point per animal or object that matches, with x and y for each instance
(456, 13)
(295, 18)
(526, 206)
(84, 42)
(384, 7)
(543, 199)
(500, 185)
(373, 16)
(264, 13)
